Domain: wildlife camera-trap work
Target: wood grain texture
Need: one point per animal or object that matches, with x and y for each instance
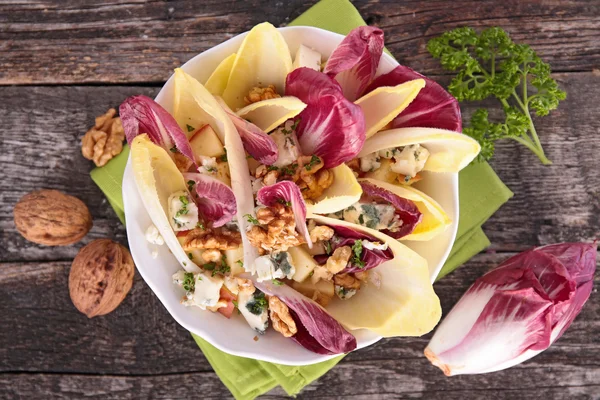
(138, 351)
(104, 51)
(137, 41)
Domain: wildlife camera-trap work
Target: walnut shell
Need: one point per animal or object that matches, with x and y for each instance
(100, 278)
(52, 218)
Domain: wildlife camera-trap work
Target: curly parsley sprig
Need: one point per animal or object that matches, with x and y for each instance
(491, 64)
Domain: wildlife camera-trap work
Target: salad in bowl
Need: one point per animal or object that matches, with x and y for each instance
(276, 191)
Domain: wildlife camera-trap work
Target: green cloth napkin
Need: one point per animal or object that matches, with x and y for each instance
(481, 194)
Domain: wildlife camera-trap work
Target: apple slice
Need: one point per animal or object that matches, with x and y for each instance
(205, 142)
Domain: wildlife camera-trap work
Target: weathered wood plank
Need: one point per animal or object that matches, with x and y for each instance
(137, 41)
(383, 382)
(42, 127)
(43, 333)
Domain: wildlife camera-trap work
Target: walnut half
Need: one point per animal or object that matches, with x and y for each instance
(104, 140)
(281, 318)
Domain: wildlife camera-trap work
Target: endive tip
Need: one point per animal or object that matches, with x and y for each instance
(435, 361)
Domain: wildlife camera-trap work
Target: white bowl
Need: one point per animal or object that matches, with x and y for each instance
(234, 336)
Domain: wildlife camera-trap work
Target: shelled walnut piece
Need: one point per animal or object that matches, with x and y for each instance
(258, 93)
(100, 278)
(280, 317)
(104, 140)
(307, 172)
(212, 238)
(277, 231)
(52, 218)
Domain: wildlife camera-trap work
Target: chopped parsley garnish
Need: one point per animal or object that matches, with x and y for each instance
(240, 262)
(285, 202)
(296, 123)
(189, 128)
(258, 304)
(314, 160)
(190, 256)
(174, 149)
(200, 225)
(328, 247)
(235, 304)
(251, 219)
(277, 282)
(189, 283)
(211, 169)
(209, 266)
(223, 158)
(357, 249)
(272, 168)
(191, 184)
(290, 169)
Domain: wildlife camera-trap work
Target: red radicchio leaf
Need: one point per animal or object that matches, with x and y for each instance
(286, 192)
(516, 310)
(406, 209)
(318, 331)
(371, 258)
(215, 200)
(256, 142)
(141, 114)
(354, 62)
(330, 127)
(434, 107)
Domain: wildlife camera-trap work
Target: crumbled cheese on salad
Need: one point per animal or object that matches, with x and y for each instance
(274, 266)
(153, 236)
(183, 212)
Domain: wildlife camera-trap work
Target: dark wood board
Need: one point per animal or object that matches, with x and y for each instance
(136, 41)
(63, 63)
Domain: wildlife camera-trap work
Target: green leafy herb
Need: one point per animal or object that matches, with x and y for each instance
(190, 256)
(258, 304)
(189, 283)
(277, 282)
(328, 247)
(190, 184)
(251, 219)
(200, 225)
(174, 149)
(285, 202)
(189, 128)
(314, 160)
(240, 262)
(290, 169)
(272, 168)
(224, 156)
(491, 64)
(209, 266)
(296, 123)
(357, 249)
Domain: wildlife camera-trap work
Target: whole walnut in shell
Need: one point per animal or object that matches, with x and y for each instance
(100, 278)
(52, 218)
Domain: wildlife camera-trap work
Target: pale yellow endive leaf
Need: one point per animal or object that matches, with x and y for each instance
(157, 177)
(449, 151)
(405, 303)
(384, 104)
(263, 59)
(269, 114)
(343, 192)
(434, 220)
(194, 104)
(217, 81)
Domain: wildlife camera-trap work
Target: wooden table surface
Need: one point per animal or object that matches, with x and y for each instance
(62, 63)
